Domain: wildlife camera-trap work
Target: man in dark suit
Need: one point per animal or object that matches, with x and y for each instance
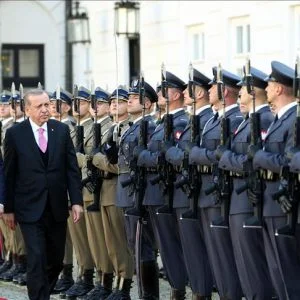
(41, 171)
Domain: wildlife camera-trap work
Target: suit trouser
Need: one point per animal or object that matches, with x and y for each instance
(44, 240)
(96, 240)
(195, 254)
(170, 248)
(220, 253)
(283, 259)
(116, 243)
(148, 244)
(79, 238)
(68, 258)
(250, 258)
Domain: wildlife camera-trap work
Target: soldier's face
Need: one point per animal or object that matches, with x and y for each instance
(38, 108)
(102, 109)
(272, 95)
(84, 107)
(161, 100)
(16, 112)
(134, 106)
(52, 109)
(118, 107)
(245, 100)
(213, 95)
(187, 99)
(4, 110)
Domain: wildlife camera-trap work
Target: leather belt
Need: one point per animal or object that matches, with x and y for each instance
(205, 169)
(236, 175)
(270, 176)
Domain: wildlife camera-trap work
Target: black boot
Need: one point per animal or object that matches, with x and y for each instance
(84, 287)
(198, 297)
(22, 264)
(102, 290)
(6, 266)
(150, 280)
(123, 293)
(10, 273)
(177, 294)
(115, 289)
(65, 281)
(22, 280)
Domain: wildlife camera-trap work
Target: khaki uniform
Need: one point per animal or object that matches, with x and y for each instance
(113, 219)
(78, 231)
(68, 258)
(94, 222)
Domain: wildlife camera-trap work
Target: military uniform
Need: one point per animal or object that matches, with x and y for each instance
(66, 279)
(168, 239)
(190, 230)
(248, 243)
(217, 240)
(78, 231)
(282, 252)
(112, 216)
(147, 268)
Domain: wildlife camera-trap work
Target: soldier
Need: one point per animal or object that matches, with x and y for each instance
(94, 220)
(191, 232)
(248, 243)
(148, 269)
(164, 224)
(64, 115)
(217, 240)
(78, 231)
(112, 216)
(281, 251)
(6, 121)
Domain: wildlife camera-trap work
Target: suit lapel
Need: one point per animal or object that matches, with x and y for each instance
(51, 141)
(30, 139)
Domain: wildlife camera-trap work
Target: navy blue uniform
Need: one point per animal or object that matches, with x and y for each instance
(191, 231)
(165, 225)
(217, 240)
(281, 251)
(248, 243)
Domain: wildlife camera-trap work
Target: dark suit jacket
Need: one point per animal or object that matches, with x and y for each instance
(30, 183)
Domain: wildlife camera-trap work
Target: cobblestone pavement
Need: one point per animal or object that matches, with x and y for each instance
(11, 291)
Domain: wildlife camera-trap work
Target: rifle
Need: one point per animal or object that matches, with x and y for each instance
(58, 101)
(292, 192)
(222, 181)
(138, 173)
(22, 104)
(13, 101)
(253, 180)
(190, 181)
(166, 174)
(94, 180)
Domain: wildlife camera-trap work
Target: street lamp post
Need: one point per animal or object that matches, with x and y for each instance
(127, 24)
(77, 32)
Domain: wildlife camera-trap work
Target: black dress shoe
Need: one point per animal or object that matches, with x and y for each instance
(22, 279)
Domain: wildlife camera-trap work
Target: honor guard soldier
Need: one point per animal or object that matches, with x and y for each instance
(78, 232)
(61, 110)
(141, 98)
(159, 175)
(189, 225)
(112, 216)
(18, 270)
(101, 184)
(222, 96)
(6, 122)
(282, 251)
(247, 238)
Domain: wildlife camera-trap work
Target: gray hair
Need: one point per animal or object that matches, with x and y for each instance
(32, 92)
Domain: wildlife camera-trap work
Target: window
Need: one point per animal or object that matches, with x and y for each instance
(22, 64)
(241, 35)
(196, 42)
(297, 28)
